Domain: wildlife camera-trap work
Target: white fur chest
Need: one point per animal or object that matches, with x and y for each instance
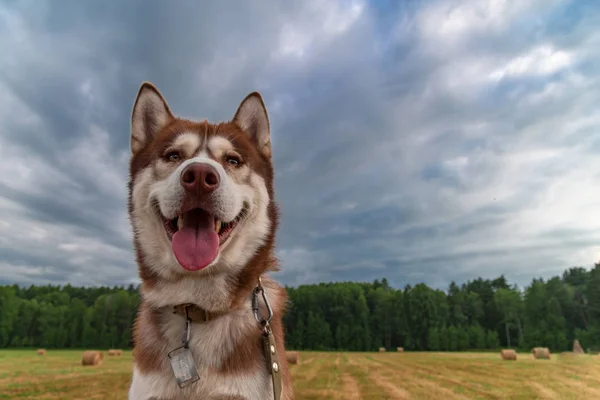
(211, 344)
(162, 386)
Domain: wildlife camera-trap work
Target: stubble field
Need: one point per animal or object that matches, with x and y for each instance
(59, 375)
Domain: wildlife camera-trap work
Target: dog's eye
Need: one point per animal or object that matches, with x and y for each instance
(172, 156)
(233, 160)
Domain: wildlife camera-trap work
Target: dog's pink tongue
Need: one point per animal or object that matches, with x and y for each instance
(196, 244)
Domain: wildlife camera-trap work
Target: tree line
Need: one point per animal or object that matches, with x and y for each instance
(349, 316)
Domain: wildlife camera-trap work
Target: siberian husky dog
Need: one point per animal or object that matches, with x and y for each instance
(201, 204)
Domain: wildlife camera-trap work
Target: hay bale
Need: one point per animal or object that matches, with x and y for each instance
(92, 357)
(541, 353)
(508, 355)
(115, 352)
(293, 357)
(577, 349)
(41, 352)
(400, 349)
(382, 349)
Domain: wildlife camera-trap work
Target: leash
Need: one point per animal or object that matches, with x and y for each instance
(268, 339)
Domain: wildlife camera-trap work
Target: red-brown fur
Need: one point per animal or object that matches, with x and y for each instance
(146, 336)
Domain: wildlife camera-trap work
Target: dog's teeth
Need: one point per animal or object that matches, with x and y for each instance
(179, 222)
(217, 226)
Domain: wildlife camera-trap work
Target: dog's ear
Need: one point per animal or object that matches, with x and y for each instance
(252, 117)
(150, 114)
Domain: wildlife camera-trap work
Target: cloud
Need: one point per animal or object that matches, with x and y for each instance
(429, 141)
(543, 60)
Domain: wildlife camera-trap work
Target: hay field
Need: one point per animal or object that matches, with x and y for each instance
(59, 375)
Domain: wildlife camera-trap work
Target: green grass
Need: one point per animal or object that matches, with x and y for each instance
(59, 375)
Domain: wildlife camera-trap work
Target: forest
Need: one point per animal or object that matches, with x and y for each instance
(348, 316)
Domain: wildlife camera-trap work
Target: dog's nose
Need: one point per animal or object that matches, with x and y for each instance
(199, 178)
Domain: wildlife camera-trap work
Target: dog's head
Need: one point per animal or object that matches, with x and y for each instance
(200, 194)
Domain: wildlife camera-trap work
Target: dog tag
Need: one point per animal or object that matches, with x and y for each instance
(184, 367)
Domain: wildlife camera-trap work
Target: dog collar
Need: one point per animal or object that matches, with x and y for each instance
(195, 313)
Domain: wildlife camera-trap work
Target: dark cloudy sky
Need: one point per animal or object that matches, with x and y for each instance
(417, 140)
